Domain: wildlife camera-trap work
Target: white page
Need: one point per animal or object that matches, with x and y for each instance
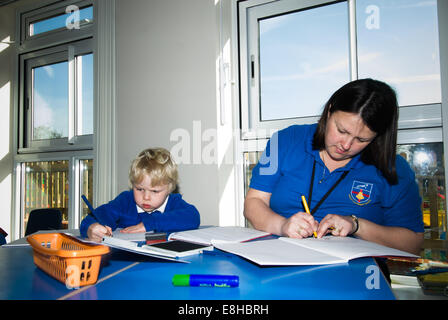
(278, 252)
(136, 236)
(218, 234)
(347, 247)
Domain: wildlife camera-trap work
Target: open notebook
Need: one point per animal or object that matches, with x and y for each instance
(310, 251)
(171, 250)
(212, 235)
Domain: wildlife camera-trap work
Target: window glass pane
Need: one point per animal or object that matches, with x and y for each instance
(427, 162)
(398, 43)
(303, 59)
(250, 160)
(70, 20)
(86, 178)
(46, 186)
(85, 94)
(50, 101)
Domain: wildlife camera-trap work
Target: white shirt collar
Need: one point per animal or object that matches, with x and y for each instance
(161, 208)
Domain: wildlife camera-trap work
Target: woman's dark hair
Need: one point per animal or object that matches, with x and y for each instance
(376, 103)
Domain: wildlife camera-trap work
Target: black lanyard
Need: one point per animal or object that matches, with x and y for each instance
(310, 193)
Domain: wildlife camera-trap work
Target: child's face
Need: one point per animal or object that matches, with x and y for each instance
(150, 197)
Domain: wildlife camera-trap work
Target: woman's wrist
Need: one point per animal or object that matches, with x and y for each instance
(355, 223)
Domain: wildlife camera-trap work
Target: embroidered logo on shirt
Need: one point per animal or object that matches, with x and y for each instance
(361, 192)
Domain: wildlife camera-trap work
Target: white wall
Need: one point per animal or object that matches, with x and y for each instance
(167, 82)
(7, 33)
(166, 53)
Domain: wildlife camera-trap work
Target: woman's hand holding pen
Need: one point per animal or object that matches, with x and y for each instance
(97, 232)
(303, 225)
(300, 225)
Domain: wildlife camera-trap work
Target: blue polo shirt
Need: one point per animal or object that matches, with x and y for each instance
(285, 171)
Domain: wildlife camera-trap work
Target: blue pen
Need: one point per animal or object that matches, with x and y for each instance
(89, 205)
(205, 280)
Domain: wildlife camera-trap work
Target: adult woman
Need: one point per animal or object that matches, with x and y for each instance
(346, 166)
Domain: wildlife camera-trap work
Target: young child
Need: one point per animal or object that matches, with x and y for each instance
(149, 205)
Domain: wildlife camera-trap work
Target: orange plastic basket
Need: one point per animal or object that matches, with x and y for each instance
(66, 258)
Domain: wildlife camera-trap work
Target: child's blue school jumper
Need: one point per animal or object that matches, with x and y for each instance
(122, 212)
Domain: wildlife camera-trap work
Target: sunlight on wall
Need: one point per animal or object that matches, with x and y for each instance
(4, 120)
(4, 44)
(5, 191)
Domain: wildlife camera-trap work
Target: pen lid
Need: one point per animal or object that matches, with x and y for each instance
(181, 280)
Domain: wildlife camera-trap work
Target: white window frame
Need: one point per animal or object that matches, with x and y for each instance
(61, 53)
(74, 201)
(104, 149)
(69, 43)
(56, 36)
(418, 116)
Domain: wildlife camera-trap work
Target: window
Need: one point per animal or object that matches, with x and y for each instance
(294, 60)
(56, 23)
(58, 97)
(55, 137)
(402, 38)
(61, 21)
(49, 101)
(294, 54)
(86, 186)
(46, 186)
(426, 159)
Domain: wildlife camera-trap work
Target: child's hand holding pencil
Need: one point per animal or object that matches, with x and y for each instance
(96, 231)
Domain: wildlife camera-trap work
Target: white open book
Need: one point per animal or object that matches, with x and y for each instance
(212, 235)
(310, 251)
(170, 250)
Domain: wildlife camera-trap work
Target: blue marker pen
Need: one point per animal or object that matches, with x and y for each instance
(205, 280)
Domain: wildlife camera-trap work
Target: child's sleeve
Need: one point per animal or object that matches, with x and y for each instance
(178, 215)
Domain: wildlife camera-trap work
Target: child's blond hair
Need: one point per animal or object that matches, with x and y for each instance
(156, 163)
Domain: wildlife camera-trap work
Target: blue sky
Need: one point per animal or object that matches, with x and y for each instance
(51, 96)
(304, 55)
(60, 21)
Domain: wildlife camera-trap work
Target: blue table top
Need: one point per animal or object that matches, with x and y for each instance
(21, 279)
(129, 276)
